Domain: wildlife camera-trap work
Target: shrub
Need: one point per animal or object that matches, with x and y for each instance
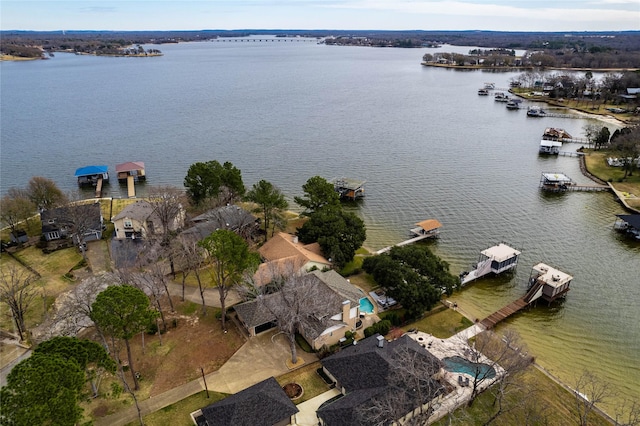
(152, 329)
(381, 328)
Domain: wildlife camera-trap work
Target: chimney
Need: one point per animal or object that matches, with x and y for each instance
(295, 239)
(346, 308)
(380, 341)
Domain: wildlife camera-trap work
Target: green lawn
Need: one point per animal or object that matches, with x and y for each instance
(534, 398)
(442, 324)
(178, 414)
(308, 378)
(596, 163)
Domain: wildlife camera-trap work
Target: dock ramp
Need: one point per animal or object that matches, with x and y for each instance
(534, 293)
(482, 269)
(99, 188)
(131, 188)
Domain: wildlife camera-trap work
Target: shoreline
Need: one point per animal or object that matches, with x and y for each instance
(514, 68)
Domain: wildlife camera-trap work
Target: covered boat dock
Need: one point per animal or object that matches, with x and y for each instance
(629, 224)
(350, 189)
(130, 173)
(93, 175)
(496, 259)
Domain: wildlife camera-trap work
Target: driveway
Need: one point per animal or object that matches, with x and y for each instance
(261, 357)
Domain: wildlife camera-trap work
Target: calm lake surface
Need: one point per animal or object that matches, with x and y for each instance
(427, 144)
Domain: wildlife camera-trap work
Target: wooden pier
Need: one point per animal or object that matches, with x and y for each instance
(99, 188)
(131, 187)
(513, 307)
(559, 182)
(571, 153)
(404, 243)
(545, 282)
(575, 188)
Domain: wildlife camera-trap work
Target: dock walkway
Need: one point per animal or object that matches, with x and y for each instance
(513, 307)
(404, 243)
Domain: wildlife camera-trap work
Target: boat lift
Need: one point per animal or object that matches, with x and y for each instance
(496, 259)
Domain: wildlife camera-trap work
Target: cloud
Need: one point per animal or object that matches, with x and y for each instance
(511, 11)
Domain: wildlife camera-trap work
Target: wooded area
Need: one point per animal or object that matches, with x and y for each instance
(574, 50)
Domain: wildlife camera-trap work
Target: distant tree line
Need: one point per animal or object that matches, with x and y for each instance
(584, 50)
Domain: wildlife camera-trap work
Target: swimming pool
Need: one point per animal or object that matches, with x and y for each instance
(456, 364)
(366, 307)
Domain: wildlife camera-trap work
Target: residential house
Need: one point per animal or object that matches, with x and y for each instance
(367, 374)
(263, 404)
(229, 217)
(287, 247)
(140, 220)
(63, 222)
(331, 309)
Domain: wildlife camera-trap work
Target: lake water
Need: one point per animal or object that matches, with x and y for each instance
(427, 144)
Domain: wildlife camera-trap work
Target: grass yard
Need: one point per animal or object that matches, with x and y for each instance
(442, 324)
(308, 378)
(178, 414)
(596, 163)
(537, 400)
(52, 268)
(194, 341)
(364, 281)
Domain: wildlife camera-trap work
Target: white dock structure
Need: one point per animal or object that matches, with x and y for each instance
(496, 259)
(426, 229)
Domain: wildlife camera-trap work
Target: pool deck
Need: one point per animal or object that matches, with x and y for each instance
(455, 345)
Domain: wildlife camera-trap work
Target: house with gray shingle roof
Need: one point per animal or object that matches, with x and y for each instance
(367, 374)
(263, 404)
(332, 308)
(140, 220)
(229, 217)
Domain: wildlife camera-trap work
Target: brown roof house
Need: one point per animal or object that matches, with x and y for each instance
(263, 404)
(140, 220)
(370, 376)
(329, 303)
(284, 254)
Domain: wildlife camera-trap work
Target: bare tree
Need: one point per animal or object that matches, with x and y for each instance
(295, 301)
(412, 394)
(627, 413)
(154, 261)
(167, 204)
(73, 309)
(44, 193)
(190, 257)
(492, 357)
(82, 220)
(17, 290)
(513, 358)
(15, 208)
(589, 391)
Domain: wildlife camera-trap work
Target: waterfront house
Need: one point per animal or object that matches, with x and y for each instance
(64, 222)
(140, 220)
(283, 246)
(263, 404)
(229, 217)
(332, 308)
(367, 374)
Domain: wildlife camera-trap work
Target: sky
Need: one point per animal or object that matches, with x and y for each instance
(495, 15)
